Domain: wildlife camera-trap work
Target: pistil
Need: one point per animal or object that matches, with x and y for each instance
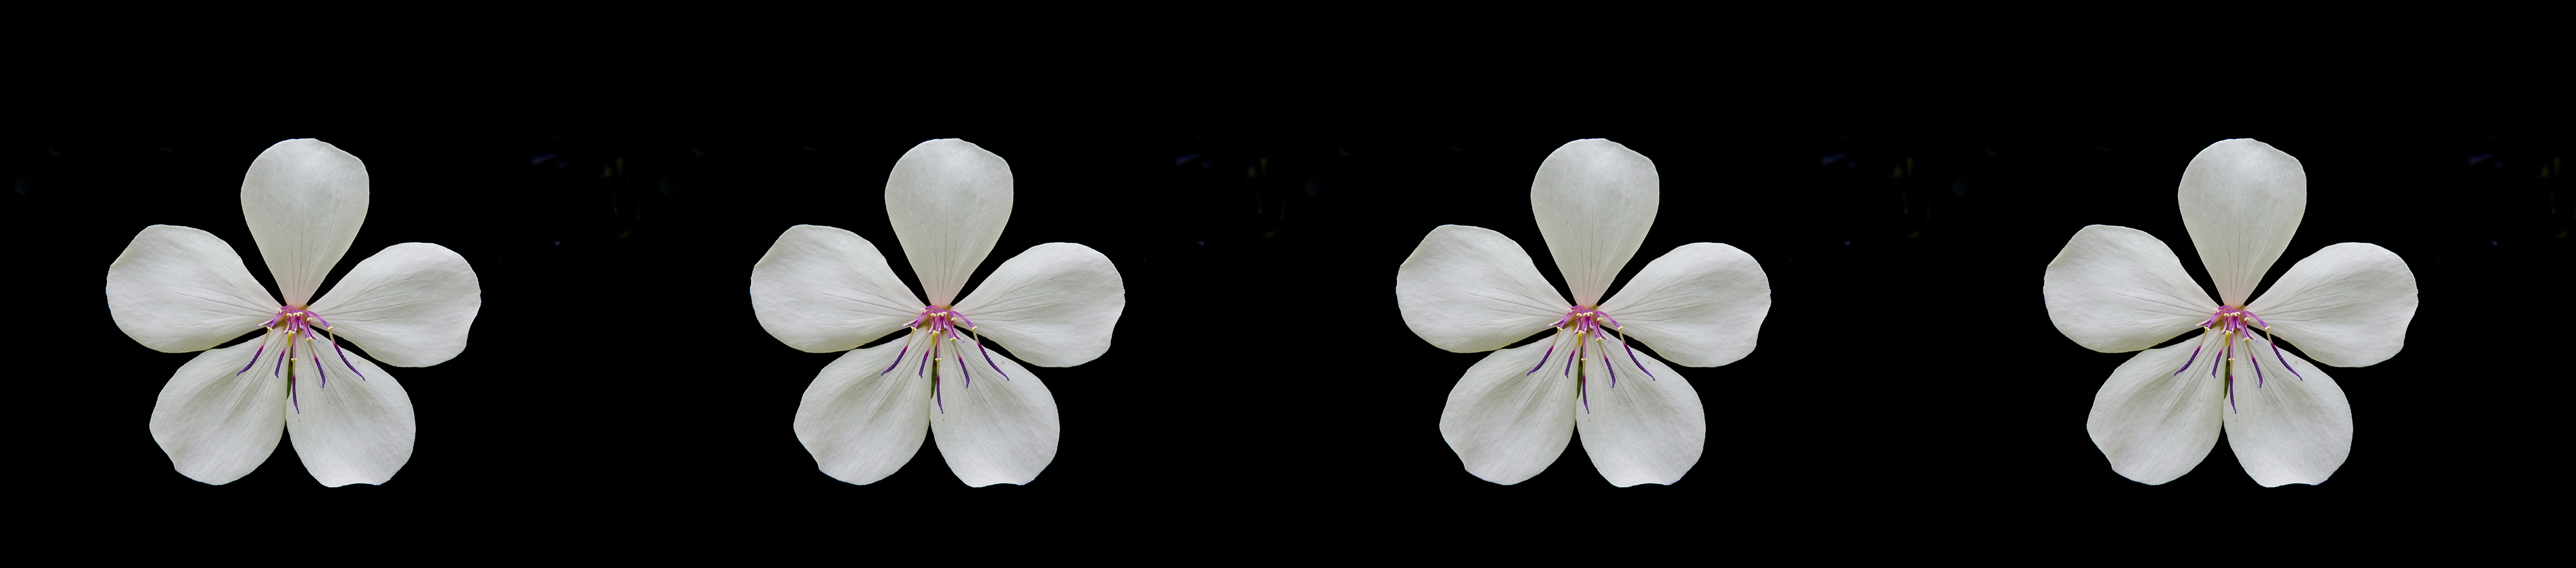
(2232, 325)
(294, 324)
(1588, 326)
(936, 323)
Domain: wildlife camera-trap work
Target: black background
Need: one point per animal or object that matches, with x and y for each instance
(1260, 367)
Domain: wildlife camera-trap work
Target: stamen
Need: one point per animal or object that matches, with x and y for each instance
(988, 355)
(1551, 351)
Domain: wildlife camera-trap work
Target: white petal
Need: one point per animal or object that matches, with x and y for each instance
(304, 200)
(949, 200)
(1506, 421)
(861, 421)
(1469, 289)
(2287, 428)
(2155, 424)
(2241, 201)
(1701, 305)
(1639, 427)
(1594, 200)
(2347, 305)
(177, 289)
(217, 421)
(823, 289)
(2117, 289)
(1055, 304)
(350, 422)
(992, 428)
(409, 305)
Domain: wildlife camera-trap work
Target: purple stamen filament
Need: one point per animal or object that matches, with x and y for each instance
(938, 323)
(2230, 326)
(1588, 326)
(299, 324)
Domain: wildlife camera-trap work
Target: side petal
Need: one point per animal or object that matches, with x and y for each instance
(2117, 289)
(410, 305)
(2154, 423)
(1507, 421)
(349, 420)
(861, 420)
(823, 289)
(2287, 428)
(304, 200)
(1643, 425)
(2348, 305)
(2241, 201)
(1594, 200)
(218, 421)
(1055, 304)
(994, 422)
(177, 289)
(1469, 289)
(949, 200)
(1701, 305)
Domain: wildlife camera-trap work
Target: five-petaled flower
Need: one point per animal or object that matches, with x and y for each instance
(2117, 289)
(822, 289)
(1469, 289)
(178, 289)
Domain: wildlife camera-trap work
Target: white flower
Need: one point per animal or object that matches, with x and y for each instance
(822, 289)
(177, 289)
(2117, 289)
(1469, 289)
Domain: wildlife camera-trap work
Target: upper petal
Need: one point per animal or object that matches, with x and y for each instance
(1594, 200)
(949, 200)
(1506, 420)
(861, 420)
(410, 305)
(1054, 305)
(2285, 427)
(304, 200)
(994, 422)
(2241, 201)
(2116, 289)
(2154, 423)
(350, 422)
(1701, 305)
(177, 289)
(823, 289)
(1469, 289)
(1641, 422)
(2348, 305)
(217, 421)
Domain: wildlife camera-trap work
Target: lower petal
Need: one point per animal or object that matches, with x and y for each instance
(2153, 423)
(861, 420)
(217, 421)
(1507, 422)
(2288, 428)
(348, 427)
(993, 428)
(1640, 428)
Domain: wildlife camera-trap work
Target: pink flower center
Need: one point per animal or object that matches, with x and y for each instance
(2230, 326)
(1586, 327)
(934, 325)
(291, 325)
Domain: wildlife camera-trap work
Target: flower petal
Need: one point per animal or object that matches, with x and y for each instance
(1054, 304)
(1639, 427)
(2117, 289)
(991, 429)
(304, 200)
(1701, 305)
(1469, 289)
(217, 421)
(2348, 305)
(862, 421)
(2287, 428)
(410, 305)
(823, 289)
(1594, 200)
(2241, 201)
(177, 289)
(348, 427)
(2153, 423)
(1507, 422)
(949, 200)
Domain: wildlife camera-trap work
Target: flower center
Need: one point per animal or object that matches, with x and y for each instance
(2230, 326)
(291, 325)
(1581, 332)
(936, 325)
